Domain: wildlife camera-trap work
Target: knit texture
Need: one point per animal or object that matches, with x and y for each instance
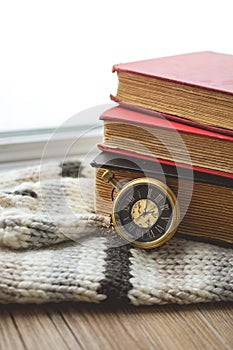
(53, 247)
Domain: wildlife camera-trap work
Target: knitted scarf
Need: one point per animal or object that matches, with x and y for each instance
(53, 247)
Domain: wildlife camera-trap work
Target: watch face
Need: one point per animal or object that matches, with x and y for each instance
(145, 213)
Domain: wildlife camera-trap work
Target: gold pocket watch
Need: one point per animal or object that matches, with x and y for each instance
(145, 211)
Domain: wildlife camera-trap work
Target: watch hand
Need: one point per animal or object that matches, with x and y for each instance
(139, 216)
(139, 208)
(143, 215)
(149, 212)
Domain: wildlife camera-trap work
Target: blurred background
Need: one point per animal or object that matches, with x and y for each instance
(56, 56)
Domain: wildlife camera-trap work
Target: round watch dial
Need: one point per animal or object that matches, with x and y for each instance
(145, 213)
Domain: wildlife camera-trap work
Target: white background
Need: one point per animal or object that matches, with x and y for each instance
(56, 56)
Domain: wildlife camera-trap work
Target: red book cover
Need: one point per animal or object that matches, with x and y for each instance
(122, 115)
(203, 70)
(174, 118)
(207, 70)
(119, 114)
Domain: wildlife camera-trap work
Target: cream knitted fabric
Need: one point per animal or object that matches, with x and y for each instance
(41, 208)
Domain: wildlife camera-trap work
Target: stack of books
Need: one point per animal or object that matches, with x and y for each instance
(174, 121)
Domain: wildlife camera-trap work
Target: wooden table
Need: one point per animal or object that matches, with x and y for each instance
(88, 326)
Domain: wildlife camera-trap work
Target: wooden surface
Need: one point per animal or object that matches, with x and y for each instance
(85, 326)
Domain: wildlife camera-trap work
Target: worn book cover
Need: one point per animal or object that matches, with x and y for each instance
(142, 135)
(195, 87)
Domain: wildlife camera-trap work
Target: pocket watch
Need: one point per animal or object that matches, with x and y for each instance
(145, 211)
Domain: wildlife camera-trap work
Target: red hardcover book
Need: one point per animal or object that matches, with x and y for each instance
(195, 87)
(141, 135)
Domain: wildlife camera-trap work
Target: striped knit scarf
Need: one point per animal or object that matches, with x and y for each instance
(53, 247)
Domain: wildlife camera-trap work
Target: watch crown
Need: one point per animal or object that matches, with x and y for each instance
(107, 176)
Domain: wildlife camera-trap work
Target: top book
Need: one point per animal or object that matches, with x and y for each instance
(196, 88)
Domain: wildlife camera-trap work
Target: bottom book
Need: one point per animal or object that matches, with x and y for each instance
(205, 200)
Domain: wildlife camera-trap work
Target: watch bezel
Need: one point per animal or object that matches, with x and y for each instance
(175, 213)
